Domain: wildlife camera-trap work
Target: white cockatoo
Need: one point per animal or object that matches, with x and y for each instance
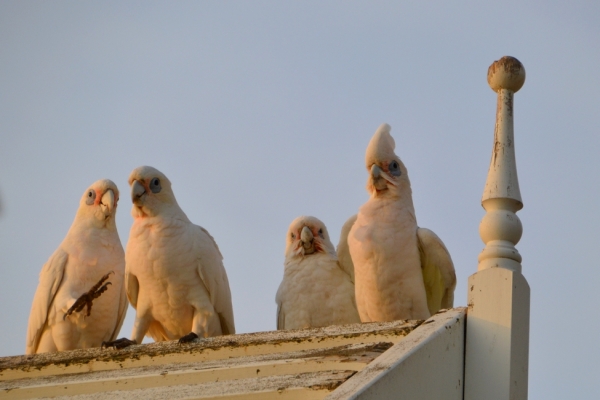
(315, 291)
(401, 271)
(175, 277)
(76, 277)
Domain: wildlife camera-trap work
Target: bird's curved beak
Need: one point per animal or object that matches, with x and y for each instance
(379, 178)
(137, 191)
(306, 236)
(375, 171)
(107, 202)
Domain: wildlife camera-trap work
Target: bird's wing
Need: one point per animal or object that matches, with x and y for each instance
(279, 301)
(438, 271)
(280, 317)
(122, 311)
(343, 251)
(132, 287)
(213, 274)
(50, 279)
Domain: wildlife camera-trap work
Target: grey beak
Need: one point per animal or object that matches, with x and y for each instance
(108, 201)
(137, 191)
(306, 235)
(375, 171)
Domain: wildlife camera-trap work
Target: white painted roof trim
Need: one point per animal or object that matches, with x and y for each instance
(427, 364)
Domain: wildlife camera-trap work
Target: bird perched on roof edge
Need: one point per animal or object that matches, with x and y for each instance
(76, 278)
(315, 291)
(401, 271)
(175, 277)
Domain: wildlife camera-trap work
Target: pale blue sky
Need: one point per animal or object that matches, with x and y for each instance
(259, 112)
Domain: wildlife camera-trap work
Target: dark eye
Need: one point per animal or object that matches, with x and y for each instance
(293, 236)
(91, 197)
(321, 232)
(394, 168)
(155, 185)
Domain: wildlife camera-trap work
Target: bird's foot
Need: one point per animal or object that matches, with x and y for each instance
(118, 344)
(188, 338)
(86, 299)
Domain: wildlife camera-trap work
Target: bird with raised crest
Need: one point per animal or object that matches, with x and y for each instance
(401, 271)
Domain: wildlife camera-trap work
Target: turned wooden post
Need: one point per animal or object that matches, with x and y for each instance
(497, 339)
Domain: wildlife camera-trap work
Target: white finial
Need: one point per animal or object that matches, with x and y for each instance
(500, 228)
(506, 73)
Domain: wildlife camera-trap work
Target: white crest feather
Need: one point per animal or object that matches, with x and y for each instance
(381, 147)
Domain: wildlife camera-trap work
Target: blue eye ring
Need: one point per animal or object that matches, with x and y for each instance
(91, 197)
(394, 168)
(155, 185)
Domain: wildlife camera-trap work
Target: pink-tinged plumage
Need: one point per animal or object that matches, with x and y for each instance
(297, 247)
(314, 291)
(90, 250)
(401, 271)
(176, 280)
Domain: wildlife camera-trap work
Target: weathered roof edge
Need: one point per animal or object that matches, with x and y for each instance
(428, 363)
(84, 360)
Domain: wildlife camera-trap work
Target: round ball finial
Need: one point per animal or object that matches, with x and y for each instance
(506, 73)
